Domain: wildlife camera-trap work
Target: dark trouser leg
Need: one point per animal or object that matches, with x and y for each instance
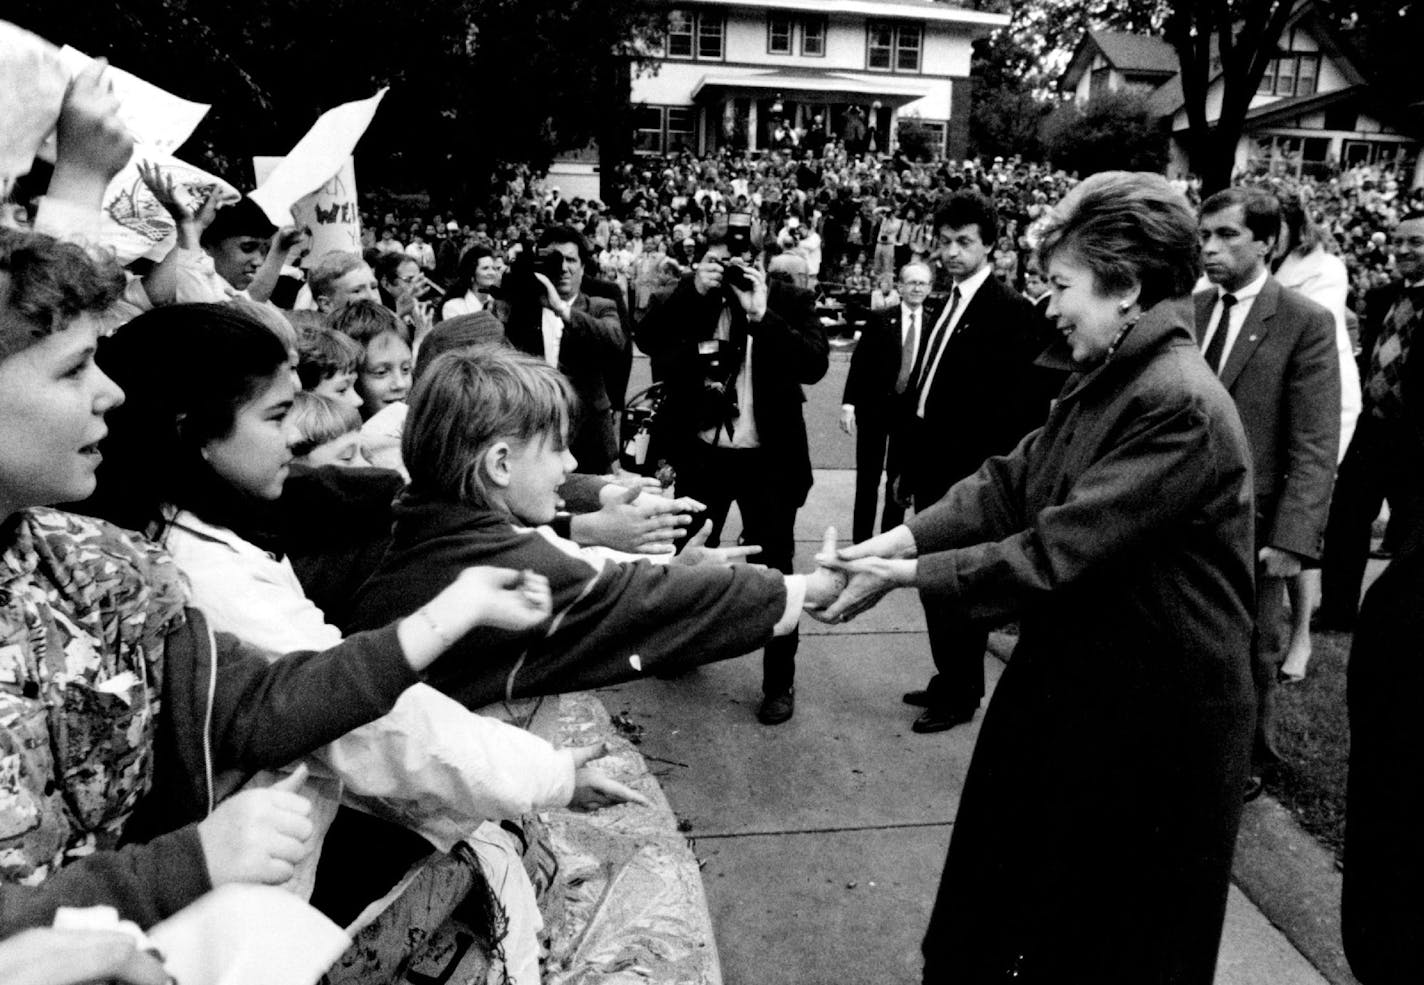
(769, 521)
(957, 646)
(362, 857)
(1381, 908)
(869, 464)
(1359, 492)
(1267, 645)
(700, 476)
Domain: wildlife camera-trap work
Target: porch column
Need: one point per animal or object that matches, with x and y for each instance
(751, 123)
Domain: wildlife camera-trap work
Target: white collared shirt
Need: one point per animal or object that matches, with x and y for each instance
(1244, 299)
(967, 289)
(552, 328)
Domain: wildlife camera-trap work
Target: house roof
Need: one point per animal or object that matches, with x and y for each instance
(931, 11)
(1136, 52)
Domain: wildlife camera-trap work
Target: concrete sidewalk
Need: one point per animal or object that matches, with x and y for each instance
(823, 839)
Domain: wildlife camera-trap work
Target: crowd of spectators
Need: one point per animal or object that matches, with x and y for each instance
(856, 219)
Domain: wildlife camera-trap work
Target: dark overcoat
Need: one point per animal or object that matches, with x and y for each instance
(1094, 837)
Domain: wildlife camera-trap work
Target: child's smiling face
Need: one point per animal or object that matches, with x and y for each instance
(537, 468)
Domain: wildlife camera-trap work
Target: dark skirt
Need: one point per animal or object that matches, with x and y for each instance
(1095, 832)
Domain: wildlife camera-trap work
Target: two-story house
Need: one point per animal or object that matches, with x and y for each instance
(1313, 111)
(729, 71)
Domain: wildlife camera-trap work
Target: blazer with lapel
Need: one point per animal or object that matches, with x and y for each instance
(1283, 371)
(987, 393)
(875, 364)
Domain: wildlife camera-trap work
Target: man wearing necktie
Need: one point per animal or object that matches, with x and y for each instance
(1385, 460)
(1274, 351)
(973, 392)
(879, 375)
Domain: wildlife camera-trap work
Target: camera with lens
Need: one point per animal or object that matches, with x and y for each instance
(735, 275)
(529, 261)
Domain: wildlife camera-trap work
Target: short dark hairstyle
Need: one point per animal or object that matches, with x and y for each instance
(566, 234)
(323, 352)
(970, 208)
(1130, 229)
(388, 265)
(1261, 209)
(242, 218)
(50, 283)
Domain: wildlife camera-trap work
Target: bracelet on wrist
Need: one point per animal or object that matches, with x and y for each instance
(445, 641)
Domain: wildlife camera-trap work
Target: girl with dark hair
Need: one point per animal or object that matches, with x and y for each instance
(196, 463)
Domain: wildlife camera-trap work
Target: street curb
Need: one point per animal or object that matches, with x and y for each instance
(1292, 879)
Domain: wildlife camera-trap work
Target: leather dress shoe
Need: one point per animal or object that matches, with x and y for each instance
(777, 708)
(920, 699)
(940, 720)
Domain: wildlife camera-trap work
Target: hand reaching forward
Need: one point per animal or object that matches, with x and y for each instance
(695, 551)
(592, 789)
(825, 584)
(635, 522)
(875, 567)
(258, 836)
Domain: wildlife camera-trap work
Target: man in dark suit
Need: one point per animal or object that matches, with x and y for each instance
(734, 350)
(1386, 457)
(875, 386)
(579, 334)
(1275, 353)
(974, 392)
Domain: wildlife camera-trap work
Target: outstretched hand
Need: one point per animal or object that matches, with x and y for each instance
(592, 789)
(695, 551)
(874, 567)
(636, 522)
(160, 183)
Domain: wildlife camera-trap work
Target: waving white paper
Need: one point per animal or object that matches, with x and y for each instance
(330, 213)
(155, 117)
(316, 158)
(32, 85)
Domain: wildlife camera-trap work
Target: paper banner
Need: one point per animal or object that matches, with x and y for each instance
(330, 212)
(33, 81)
(316, 158)
(133, 224)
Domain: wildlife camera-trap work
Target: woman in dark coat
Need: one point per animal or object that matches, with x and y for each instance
(1094, 837)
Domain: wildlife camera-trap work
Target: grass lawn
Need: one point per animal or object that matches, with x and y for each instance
(1314, 736)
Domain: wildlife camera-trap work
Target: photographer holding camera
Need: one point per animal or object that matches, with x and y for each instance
(733, 350)
(551, 316)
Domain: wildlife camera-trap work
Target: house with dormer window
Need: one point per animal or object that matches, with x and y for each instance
(732, 72)
(1314, 110)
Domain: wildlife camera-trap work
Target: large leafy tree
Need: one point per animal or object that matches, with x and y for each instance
(474, 83)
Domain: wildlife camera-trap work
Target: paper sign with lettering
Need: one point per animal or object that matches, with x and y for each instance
(133, 223)
(316, 158)
(155, 117)
(330, 213)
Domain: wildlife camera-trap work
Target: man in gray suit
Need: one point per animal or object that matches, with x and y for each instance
(1275, 353)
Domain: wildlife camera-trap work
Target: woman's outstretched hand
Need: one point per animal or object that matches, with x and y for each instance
(874, 568)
